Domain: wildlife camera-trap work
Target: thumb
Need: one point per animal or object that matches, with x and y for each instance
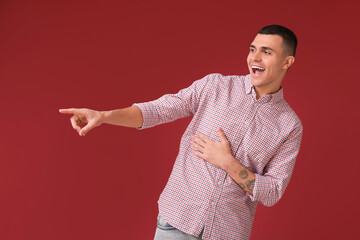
(221, 135)
(86, 128)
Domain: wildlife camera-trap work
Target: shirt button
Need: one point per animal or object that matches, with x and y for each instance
(213, 203)
(219, 182)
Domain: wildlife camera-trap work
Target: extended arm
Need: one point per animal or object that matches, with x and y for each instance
(143, 115)
(126, 117)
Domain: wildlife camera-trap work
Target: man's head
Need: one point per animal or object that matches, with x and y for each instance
(288, 37)
(272, 52)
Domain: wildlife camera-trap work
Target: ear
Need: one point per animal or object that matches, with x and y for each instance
(289, 60)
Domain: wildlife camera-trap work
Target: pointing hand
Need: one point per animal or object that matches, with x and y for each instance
(83, 116)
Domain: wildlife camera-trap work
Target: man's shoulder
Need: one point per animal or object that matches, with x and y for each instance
(288, 116)
(220, 76)
(222, 80)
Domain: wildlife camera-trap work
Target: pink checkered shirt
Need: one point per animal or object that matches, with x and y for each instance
(264, 135)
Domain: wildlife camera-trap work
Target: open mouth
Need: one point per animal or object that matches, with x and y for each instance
(257, 70)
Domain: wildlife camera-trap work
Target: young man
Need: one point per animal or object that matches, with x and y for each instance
(238, 150)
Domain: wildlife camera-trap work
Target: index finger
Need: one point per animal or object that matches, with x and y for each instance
(69, 111)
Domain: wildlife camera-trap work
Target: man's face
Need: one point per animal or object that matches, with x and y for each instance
(267, 63)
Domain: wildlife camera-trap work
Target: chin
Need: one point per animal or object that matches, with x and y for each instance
(256, 81)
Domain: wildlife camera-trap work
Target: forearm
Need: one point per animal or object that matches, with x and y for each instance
(240, 174)
(125, 117)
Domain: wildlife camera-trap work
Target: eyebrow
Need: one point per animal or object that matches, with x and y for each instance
(264, 48)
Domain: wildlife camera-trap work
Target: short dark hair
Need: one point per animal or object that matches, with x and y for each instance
(289, 38)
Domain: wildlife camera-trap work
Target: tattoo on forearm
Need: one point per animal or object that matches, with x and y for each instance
(250, 184)
(243, 174)
(242, 185)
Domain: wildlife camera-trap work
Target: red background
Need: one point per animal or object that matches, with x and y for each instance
(58, 54)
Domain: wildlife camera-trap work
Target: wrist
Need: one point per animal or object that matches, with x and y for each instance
(229, 164)
(104, 115)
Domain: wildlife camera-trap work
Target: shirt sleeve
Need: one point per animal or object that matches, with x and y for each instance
(171, 107)
(270, 186)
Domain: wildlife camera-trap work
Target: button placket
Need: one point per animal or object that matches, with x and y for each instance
(219, 185)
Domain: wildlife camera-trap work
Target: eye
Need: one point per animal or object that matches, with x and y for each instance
(252, 50)
(267, 52)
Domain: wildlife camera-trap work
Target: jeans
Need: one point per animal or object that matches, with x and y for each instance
(165, 231)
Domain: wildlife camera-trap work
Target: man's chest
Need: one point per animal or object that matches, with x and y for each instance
(252, 128)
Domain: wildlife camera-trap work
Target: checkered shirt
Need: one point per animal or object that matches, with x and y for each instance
(264, 135)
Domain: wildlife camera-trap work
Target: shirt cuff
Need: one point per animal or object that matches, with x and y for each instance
(261, 188)
(149, 115)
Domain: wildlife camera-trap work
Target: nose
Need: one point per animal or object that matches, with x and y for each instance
(256, 56)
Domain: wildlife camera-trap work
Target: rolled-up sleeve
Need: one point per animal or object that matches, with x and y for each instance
(172, 106)
(270, 186)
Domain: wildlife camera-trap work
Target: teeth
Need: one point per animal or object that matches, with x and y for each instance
(256, 67)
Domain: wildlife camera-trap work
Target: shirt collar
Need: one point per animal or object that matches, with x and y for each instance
(274, 97)
(248, 86)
